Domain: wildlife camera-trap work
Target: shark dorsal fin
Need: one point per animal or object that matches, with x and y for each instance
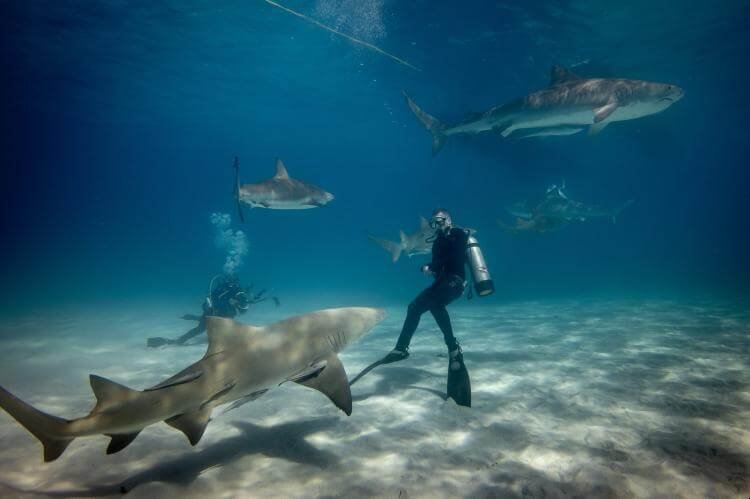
(559, 74)
(423, 223)
(225, 335)
(109, 394)
(281, 172)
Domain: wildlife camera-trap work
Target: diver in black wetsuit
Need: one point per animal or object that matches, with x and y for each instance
(228, 299)
(448, 268)
(452, 249)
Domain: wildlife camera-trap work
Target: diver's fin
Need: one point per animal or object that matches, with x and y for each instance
(120, 441)
(332, 382)
(604, 112)
(157, 341)
(109, 394)
(459, 385)
(237, 187)
(393, 356)
(192, 424)
(281, 172)
(597, 127)
(50, 430)
(391, 247)
(431, 123)
(559, 74)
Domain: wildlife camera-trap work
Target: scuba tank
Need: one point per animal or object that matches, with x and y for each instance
(482, 280)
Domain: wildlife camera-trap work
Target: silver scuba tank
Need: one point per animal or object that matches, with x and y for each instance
(482, 281)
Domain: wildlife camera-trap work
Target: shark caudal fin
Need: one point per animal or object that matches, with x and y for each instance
(50, 430)
(237, 187)
(432, 124)
(391, 247)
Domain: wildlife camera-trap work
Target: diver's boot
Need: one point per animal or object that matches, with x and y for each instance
(393, 356)
(459, 384)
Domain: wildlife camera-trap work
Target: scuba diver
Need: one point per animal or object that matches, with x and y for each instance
(228, 299)
(452, 249)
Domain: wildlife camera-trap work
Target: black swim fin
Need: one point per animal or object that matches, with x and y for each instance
(157, 342)
(393, 356)
(459, 384)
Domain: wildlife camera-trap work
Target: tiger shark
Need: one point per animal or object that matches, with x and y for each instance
(418, 243)
(241, 363)
(569, 105)
(280, 192)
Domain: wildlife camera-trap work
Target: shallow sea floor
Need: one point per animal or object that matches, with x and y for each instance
(570, 398)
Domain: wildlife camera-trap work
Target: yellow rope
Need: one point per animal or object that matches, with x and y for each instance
(350, 38)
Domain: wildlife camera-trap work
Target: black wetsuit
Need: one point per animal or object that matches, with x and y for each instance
(448, 264)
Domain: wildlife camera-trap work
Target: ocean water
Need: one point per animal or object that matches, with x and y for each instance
(612, 360)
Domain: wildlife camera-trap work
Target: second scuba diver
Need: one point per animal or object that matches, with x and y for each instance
(227, 299)
(452, 249)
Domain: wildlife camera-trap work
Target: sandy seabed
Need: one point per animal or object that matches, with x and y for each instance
(570, 399)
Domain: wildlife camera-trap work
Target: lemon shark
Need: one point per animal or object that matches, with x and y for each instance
(570, 104)
(241, 363)
(418, 243)
(280, 192)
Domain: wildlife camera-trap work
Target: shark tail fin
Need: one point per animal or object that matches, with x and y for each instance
(432, 124)
(237, 187)
(50, 430)
(391, 247)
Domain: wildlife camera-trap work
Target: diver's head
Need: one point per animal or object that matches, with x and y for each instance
(441, 221)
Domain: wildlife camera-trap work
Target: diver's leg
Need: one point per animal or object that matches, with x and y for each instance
(443, 320)
(421, 304)
(200, 328)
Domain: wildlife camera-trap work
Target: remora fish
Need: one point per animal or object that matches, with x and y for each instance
(411, 244)
(567, 106)
(241, 363)
(280, 192)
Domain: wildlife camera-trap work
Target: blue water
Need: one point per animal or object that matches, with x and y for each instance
(120, 122)
(612, 361)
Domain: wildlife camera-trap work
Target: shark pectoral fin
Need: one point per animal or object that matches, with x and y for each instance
(333, 383)
(109, 394)
(120, 441)
(192, 424)
(604, 112)
(597, 127)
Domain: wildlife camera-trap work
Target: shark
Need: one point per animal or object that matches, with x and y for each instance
(280, 192)
(556, 204)
(242, 363)
(417, 243)
(569, 105)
